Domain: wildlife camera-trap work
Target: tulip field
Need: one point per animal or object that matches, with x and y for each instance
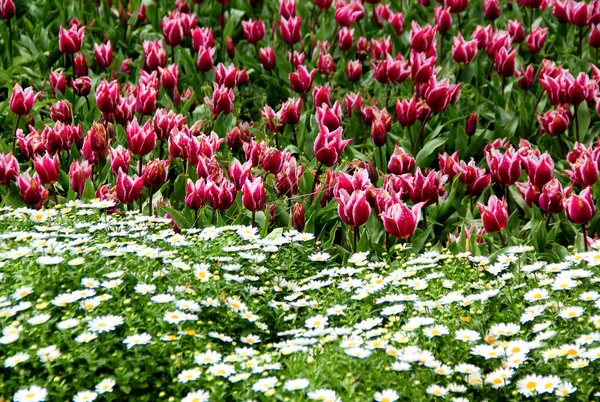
(286, 200)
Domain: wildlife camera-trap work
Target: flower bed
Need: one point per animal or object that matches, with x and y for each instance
(111, 307)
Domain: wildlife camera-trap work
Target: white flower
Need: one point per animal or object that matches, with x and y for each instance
(264, 384)
(86, 337)
(67, 324)
(105, 323)
(31, 394)
(189, 375)
(50, 260)
(137, 339)
(196, 396)
(105, 386)
(208, 357)
(317, 321)
(38, 319)
(321, 256)
(387, 395)
(222, 370)
(85, 396)
(565, 389)
(18, 358)
(467, 335)
(48, 354)
(323, 395)
(528, 385)
(296, 385)
(436, 390)
(571, 312)
(144, 289)
(22, 292)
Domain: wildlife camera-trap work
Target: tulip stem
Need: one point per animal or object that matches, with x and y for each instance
(382, 157)
(459, 22)
(580, 47)
(140, 167)
(212, 219)
(294, 135)
(196, 218)
(576, 123)
(15, 134)
(356, 236)
(150, 200)
(173, 54)
(319, 166)
(548, 221)
(502, 239)
(585, 245)
(10, 44)
(253, 218)
(421, 132)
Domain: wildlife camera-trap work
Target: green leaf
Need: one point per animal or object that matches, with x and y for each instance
(583, 120)
(89, 193)
(180, 220)
(428, 152)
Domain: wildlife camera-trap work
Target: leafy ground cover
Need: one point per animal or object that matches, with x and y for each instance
(101, 306)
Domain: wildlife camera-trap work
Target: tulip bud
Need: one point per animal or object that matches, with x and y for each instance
(81, 86)
(80, 66)
(69, 41)
(471, 124)
(58, 82)
(31, 190)
(103, 54)
(9, 168)
(61, 111)
(399, 220)
(21, 101)
(442, 19)
(169, 77)
(298, 217)
(266, 56)
(494, 215)
(400, 162)
(580, 209)
(78, 174)
(7, 9)
(253, 194)
(353, 209)
(551, 198)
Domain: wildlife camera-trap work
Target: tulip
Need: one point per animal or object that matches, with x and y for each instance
(421, 39)
(401, 221)
(119, 158)
(301, 80)
(347, 14)
(146, 100)
(9, 168)
(554, 122)
(58, 82)
(7, 9)
(253, 195)
(107, 96)
(47, 168)
(584, 172)
(154, 55)
(21, 101)
(424, 188)
(298, 221)
(325, 64)
(272, 160)
(442, 19)
(535, 40)
(194, 197)
(125, 109)
(421, 67)
(103, 54)
(69, 41)
(220, 196)
(290, 30)
(439, 94)
(155, 174)
(362, 48)
(321, 95)
(401, 162)
(505, 62)
(31, 190)
(82, 86)
(287, 8)
(580, 209)
(463, 51)
(539, 169)
(516, 31)
(80, 66)
(329, 146)
(222, 100)
(529, 192)
(457, 6)
(267, 59)
(353, 101)
(358, 181)
(406, 111)
(129, 189)
(491, 9)
(253, 31)
(494, 215)
(345, 38)
(78, 174)
(381, 125)
(594, 36)
(449, 164)
(505, 168)
(287, 180)
(205, 60)
(172, 30)
(290, 111)
(353, 70)
(169, 77)
(525, 77)
(141, 140)
(61, 111)
(551, 197)
(579, 13)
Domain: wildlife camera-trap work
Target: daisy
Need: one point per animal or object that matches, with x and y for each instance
(31, 394)
(85, 396)
(317, 321)
(571, 312)
(323, 395)
(38, 319)
(387, 395)
(22, 292)
(264, 384)
(197, 396)
(436, 390)
(536, 295)
(222, 370)
(105, 386)
(189, 375)
(137, 339)
(436, 330)
(467, 335)
(320, 256)
(86, 337)
(15, 359)
(105, 323)
(564, 389)
(548, 384)
(296, 385)
(528, 385)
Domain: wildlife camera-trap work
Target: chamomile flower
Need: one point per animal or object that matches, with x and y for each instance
(296, 384)
(31, 394)
(197, 396)
(85, 396)
(387, 395)
(137, 340)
